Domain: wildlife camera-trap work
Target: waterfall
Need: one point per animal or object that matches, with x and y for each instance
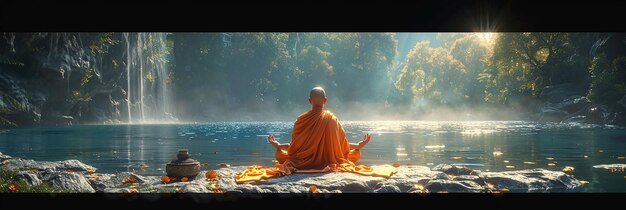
(128, 104)
(147, 75)
(141, 47)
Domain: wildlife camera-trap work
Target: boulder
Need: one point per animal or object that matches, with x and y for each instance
(597, 114)
(4, 157)
(29, 178)
(71, 182)
(551, 114)
(575, 119)
(571, 104)
(560, 92)
(563, 102)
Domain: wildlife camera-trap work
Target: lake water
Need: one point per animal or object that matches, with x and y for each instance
(482, 145)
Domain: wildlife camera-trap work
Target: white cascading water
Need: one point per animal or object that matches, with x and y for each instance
(147, 78)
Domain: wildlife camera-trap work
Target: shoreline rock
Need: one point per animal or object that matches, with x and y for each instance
(416, 179)
(567, 103)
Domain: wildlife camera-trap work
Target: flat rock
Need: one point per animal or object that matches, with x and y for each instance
(532, 180)
(117, 190)
(403, 181)
(535, 180)
(611, 166)
(23, 164)
(454, 170)
(441, 185)
(194, 188)
(386, 188)
(104, 181)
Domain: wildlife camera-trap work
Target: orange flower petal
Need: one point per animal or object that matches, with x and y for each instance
(568, 169)
(489, 184)
(223, 164)
(396, 164)
(211, 174)
(312, 188)
(90, 171)
(165, 179)
(13, 187)
(184, 179)
(129, 179)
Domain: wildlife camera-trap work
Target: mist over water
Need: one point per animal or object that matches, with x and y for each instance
(364, 83)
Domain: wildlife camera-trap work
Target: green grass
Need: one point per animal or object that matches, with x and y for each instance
(7, 178)
(167, 190)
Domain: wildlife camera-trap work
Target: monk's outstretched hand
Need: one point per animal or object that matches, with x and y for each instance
(366, 139)
(273, 141)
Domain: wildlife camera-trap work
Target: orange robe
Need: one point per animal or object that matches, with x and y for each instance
(318, 144)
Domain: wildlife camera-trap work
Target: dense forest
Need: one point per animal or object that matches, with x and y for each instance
(70, 78)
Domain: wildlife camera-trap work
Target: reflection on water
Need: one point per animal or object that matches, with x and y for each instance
(485, 145)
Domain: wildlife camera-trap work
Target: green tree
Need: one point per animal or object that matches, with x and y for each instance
(432, 74)
(524, 63)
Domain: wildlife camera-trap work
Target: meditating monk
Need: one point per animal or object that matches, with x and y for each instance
(318, 144)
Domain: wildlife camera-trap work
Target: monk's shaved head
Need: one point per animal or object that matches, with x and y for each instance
(317, 92)
(317, 97)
